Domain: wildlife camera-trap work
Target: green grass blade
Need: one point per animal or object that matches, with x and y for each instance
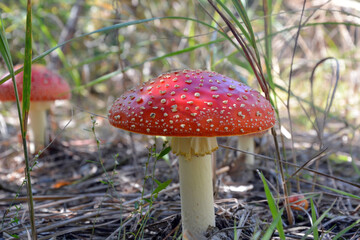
(25, 113)
(245, 18)
(313, 217)
(268, 29)
(340, 192)
(273, 207)
(269, 232)
(27, 70)
(242, 29)
(317, 222)
(345, 230)
(243, 15)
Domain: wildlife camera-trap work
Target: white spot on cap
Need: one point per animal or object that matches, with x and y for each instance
(174, 108)
(241, 115)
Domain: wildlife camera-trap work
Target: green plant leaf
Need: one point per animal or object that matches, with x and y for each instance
(341, 192)
(269, 232)
(273, 208)
(161, 185)
(163, 153)
(317, 222)
(345, 230)
(27, 71)
(313, 217)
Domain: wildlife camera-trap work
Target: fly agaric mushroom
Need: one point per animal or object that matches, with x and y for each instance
(298, 202)
(193, 107)
(246, 143)
(46, 87)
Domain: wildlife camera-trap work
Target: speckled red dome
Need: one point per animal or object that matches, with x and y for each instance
(45, 86)
(192, 103)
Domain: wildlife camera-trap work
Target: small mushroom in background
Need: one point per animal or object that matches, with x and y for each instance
(244, 160)
(298, 202)
(193, 107)
(246, 143)
(46, 87)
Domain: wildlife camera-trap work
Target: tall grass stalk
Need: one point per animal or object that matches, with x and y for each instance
(25, 113)
(248, 46)
(267, 8)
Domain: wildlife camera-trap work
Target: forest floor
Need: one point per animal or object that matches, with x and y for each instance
(85, 190)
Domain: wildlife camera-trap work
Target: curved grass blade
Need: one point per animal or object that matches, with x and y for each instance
(340, 192)
(345, 230)
(273, 207)
(270, 231)
(317, 222)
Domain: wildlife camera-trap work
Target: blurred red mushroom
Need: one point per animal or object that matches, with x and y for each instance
(46, 87)
(193, 107)
(298, 202)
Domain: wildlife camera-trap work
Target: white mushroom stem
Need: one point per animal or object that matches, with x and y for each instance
(196, 190)
(38, 122)
(246, 143)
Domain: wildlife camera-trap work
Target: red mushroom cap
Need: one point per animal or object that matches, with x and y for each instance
(298, 202)
(45, 86)
(192, 103)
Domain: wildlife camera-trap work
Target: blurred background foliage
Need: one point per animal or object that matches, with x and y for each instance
(104, 64)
